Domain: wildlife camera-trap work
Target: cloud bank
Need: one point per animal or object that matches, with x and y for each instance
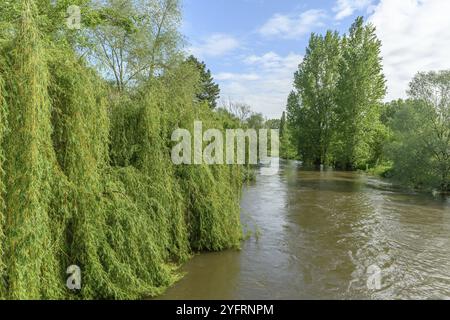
(215, 45)
(415, 36)
(292, 26)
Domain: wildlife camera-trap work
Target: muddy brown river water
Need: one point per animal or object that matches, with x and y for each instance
(321, 235)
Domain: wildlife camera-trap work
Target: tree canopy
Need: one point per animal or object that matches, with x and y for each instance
(420, 147)
(336, 115)
(333, 111)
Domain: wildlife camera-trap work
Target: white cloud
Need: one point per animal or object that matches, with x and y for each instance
(292, 26)
(272, 61)
(345, 8)
(215, 45)
(227, 76)
(415, 36)
(266, 85)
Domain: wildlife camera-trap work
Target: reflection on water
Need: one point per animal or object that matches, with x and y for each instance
(317, 235)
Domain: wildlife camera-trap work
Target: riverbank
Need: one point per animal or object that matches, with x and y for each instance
(385, 172)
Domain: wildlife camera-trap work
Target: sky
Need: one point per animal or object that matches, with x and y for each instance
(253, 47)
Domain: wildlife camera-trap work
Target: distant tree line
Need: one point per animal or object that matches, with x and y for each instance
(417, 148)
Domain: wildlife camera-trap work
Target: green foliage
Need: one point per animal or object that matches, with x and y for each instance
(3, 128)
(361, 88)
(209, 91)
(316, 82)
(294, 119)
(88, 179)
(30, 250)
(382, 170)
(287, 149)
(211, 193)
(283, 124)
(273, 124)
(227, 119)
(389, 111)
(213, 217)
(133, 40)
(333, 114)
(256, 121)
(421, 133)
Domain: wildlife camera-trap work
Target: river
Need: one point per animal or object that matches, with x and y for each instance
(320, 235)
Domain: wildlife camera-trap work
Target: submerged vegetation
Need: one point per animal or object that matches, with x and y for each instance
(85, 172)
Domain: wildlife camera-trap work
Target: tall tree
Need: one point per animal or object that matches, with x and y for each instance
(287, 150)
(315, 82)
(136, 38)
(209, 91)
(360, 91)
(283, 124)
(294, 119)
(32, 270)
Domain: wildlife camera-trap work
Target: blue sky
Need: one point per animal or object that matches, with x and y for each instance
(253, 47)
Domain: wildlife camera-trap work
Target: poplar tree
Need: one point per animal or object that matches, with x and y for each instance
(315, 82)
(360, 91)
(208, 90)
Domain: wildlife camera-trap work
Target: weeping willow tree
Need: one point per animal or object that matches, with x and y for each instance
(30, 252)
(86, 176)
(201, 203)
(211, 193)
(116, 227)
(3, 126)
